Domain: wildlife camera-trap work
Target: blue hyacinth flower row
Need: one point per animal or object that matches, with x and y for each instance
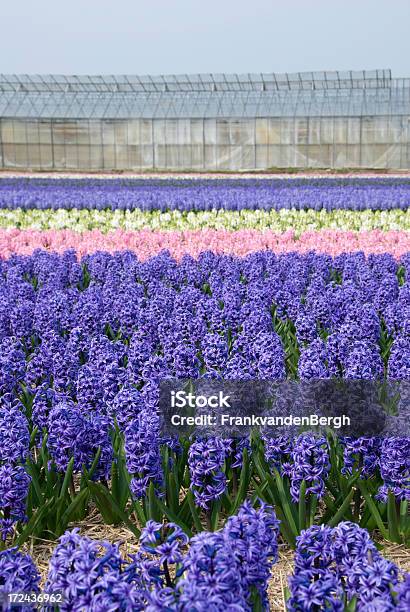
(205, 195)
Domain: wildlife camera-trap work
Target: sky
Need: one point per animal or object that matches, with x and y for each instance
(190, 36)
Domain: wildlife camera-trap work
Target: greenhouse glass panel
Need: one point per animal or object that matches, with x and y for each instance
(209, 120)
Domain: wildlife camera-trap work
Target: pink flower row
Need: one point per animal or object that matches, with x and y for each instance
(147, 242)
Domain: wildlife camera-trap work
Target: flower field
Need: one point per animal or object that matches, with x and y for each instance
(109, 287)
(206, 195)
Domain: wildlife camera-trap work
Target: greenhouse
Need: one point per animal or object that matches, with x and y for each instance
(351, 119)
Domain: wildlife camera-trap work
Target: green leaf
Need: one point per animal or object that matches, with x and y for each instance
(33, 471)
(94, 464)
(215, 514)
(71, 513)
(103, 504)
(337, 517)
(302, 506)
(194, 511)
(33, 523)
(283, 526)
(139, 512)
(267, 483)
(115, 484)
(227, 504)
(404, 516)
(243, 482)
(105, 499)
(351, 606)
(285, 503)
(373, 509)
(43, 451)
(329, 503)
(313, 508)
(153, 506)
(173, 517)
(184, 513)
(33, 436)
(256, 600)
(259, 493)
(124, 482)
(67, 478)
(172, 493)
(61, 501)
(392, 518)
(165, 462)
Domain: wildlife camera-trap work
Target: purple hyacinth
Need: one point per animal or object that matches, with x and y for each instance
(324, 593)
(235, 450)
(363, 361)
(314, 551)
(214, 351)
(395, 468)
(269, 356)
(142, 452)
(351, 544)
(309, 462)
(99, 427)
(42, 404)
(126, 406)
(213, 572)
(18, 574)
(313, 584)
(334, 565)
(14, 431)
(238, 367)
(252, 535)
(306, 328)
(91, 575)
(371, 579)
(185, 361)
(164, 541)
(312, 361)
(73, 434)
(277, 450)
(14, 487)
(403, 595)
(12, 364)
(66, 436)
(361, 454)
(206, 459)
(399, 360)
(299, 193)
(365, 318)
(161, 599)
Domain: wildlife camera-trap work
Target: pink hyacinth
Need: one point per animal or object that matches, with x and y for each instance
(148, 243)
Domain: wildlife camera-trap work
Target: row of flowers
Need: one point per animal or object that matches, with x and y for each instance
(335, 568)
(206, 195)
(300, 221)
(83, 348)
(149, 243)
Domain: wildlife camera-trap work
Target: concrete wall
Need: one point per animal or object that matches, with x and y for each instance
(206, 144)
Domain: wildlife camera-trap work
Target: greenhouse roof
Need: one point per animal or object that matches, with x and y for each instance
(347, 93)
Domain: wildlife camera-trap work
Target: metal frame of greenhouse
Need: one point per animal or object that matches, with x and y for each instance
(349, 119)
